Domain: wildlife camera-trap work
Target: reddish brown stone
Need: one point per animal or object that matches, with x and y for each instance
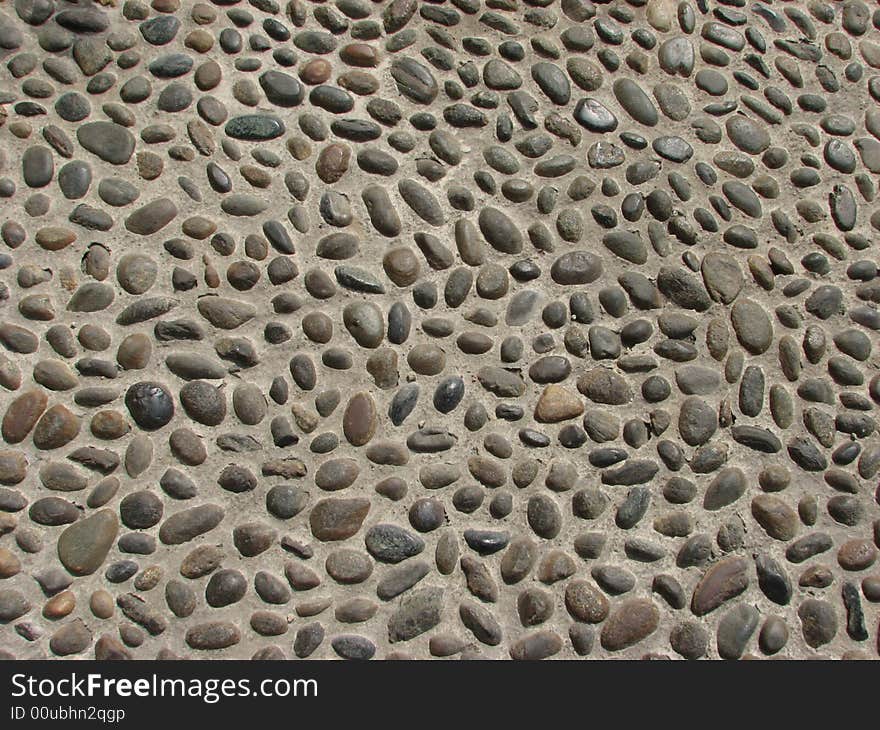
(778, 519)
(54, 238)
(720, 583)
(9, 563)
(557, 404)
(585, 602)
(60, 605)
(856, 555)
(359, 82)
(57, 427)
(22, 414)
(333, 162)
(359, 420)
(13, 466)
(635, 620)
(316, 71)
(109, 425)
(360, 54)
(402, 266)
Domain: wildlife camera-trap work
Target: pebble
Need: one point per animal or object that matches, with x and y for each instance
(557, 404)
(856, 555)
(585, 603)
(778, 519)
(723, 581)
(536, 646)
(150, 404)
(697, 421)
(689, 639)
(255, 127)
(418, 612)
(353, 647)
(577, 267)
(391, 544)
(140, 510)
(774, 635)
(57, 426)
(110, 142)
(818, 622)
(359, 420)
(544, 516)
(481, 623)
(189, 523)
(337, 518)
(152, 217)
(225, 587)
(735, 629)
(630, 623)
(595, 116)
(414, 80)
(500, 231)
(84, 545)
(72, 638)
(22, 414)
(635, 101)
(212, 635)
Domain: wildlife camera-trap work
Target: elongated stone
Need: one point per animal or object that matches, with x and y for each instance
(723, 581)
(500, 231)
(152, 217)
(22, 415)
(255, 127)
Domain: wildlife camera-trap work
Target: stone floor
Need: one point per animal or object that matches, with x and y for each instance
(480, 328)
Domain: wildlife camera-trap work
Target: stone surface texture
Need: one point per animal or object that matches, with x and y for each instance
(506, 329)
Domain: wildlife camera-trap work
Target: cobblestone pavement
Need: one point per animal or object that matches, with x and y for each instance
(480, 328)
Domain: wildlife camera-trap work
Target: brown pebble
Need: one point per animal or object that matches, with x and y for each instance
(13, 467)
(633, 621)
(360, 54)
(402, 266)
(359, 420)
(54, 238)
(856, 555)
(60, 605)
(22, 414)
(134, 351)
(556, 404)
(101, 604)
(9, 563)
(57, 427)
(332, 162)
(109, 648)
